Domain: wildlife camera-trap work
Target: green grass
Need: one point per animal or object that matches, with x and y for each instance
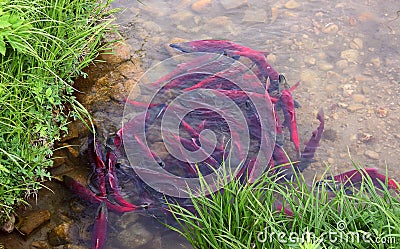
(245, 216)
(44, 45)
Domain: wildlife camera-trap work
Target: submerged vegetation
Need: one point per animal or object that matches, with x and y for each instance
(44, 45)
(309, 216)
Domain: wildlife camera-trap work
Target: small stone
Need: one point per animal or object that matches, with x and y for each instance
(292, 4)
(31, 221)
(118, 53)
(331, 161)
(200, 5)
(376, 62)
(356, 43)
(61, 234)
(358, 98)
(330, 28)
(371, 154)
(324, 66)
(8, 225)
(341, 64)
(274, 14)
(255, 15)
(72, 150)
(355, 107)
(365, 137)
(232, 4)
(309, 60)
(350, 55)
(381, 112)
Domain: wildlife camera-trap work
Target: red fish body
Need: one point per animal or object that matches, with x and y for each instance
(113, 182)
(356, 176)
(89, 196)
(100, 227)
(289, 113)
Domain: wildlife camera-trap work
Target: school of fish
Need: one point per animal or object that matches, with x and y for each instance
(105, 190)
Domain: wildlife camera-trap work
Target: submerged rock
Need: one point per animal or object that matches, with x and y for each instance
(134, 236)
(8, 225)
(232, 4)
(31, 221)
(61, 234)
(119, 53)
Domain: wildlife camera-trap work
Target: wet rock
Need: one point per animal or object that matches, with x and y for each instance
(274, 14)
(232, 4)
(31, 221)
(324, 66)
(291, 4)
(128, 219)
(355, 107)
(350, 55)
(365, 137)
(255, 15)
(8, 225)
(40, 245)
(358, 98)
(309, 60)
(61, 234)
(330, 28)
(201, 5)
(342, 64)
(381, 112)
(376, 62)
(223, 22)
(119, 52)
(371, 154)
(134, 237)
(152, 26)
(356, 43)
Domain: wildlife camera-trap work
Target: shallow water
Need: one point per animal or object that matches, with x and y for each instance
(344, 53)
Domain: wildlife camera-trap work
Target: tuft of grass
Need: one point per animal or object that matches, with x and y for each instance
(246, 215)
(44, 45)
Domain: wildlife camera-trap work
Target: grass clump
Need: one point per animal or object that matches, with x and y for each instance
(44, 45)
(246, 216)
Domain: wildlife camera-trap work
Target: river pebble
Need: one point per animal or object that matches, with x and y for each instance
(201, 5)
(358, 98)
(376, 62)
(309, 76)
(232, 4)
(350, 55)
(119, 52)
(134, 237)
(309, 60)
(341, 64)
(291, 4)
(255, 15)
(371, 154)
(356, 43)
(324, 66)
(355, 107)
(330, 28)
